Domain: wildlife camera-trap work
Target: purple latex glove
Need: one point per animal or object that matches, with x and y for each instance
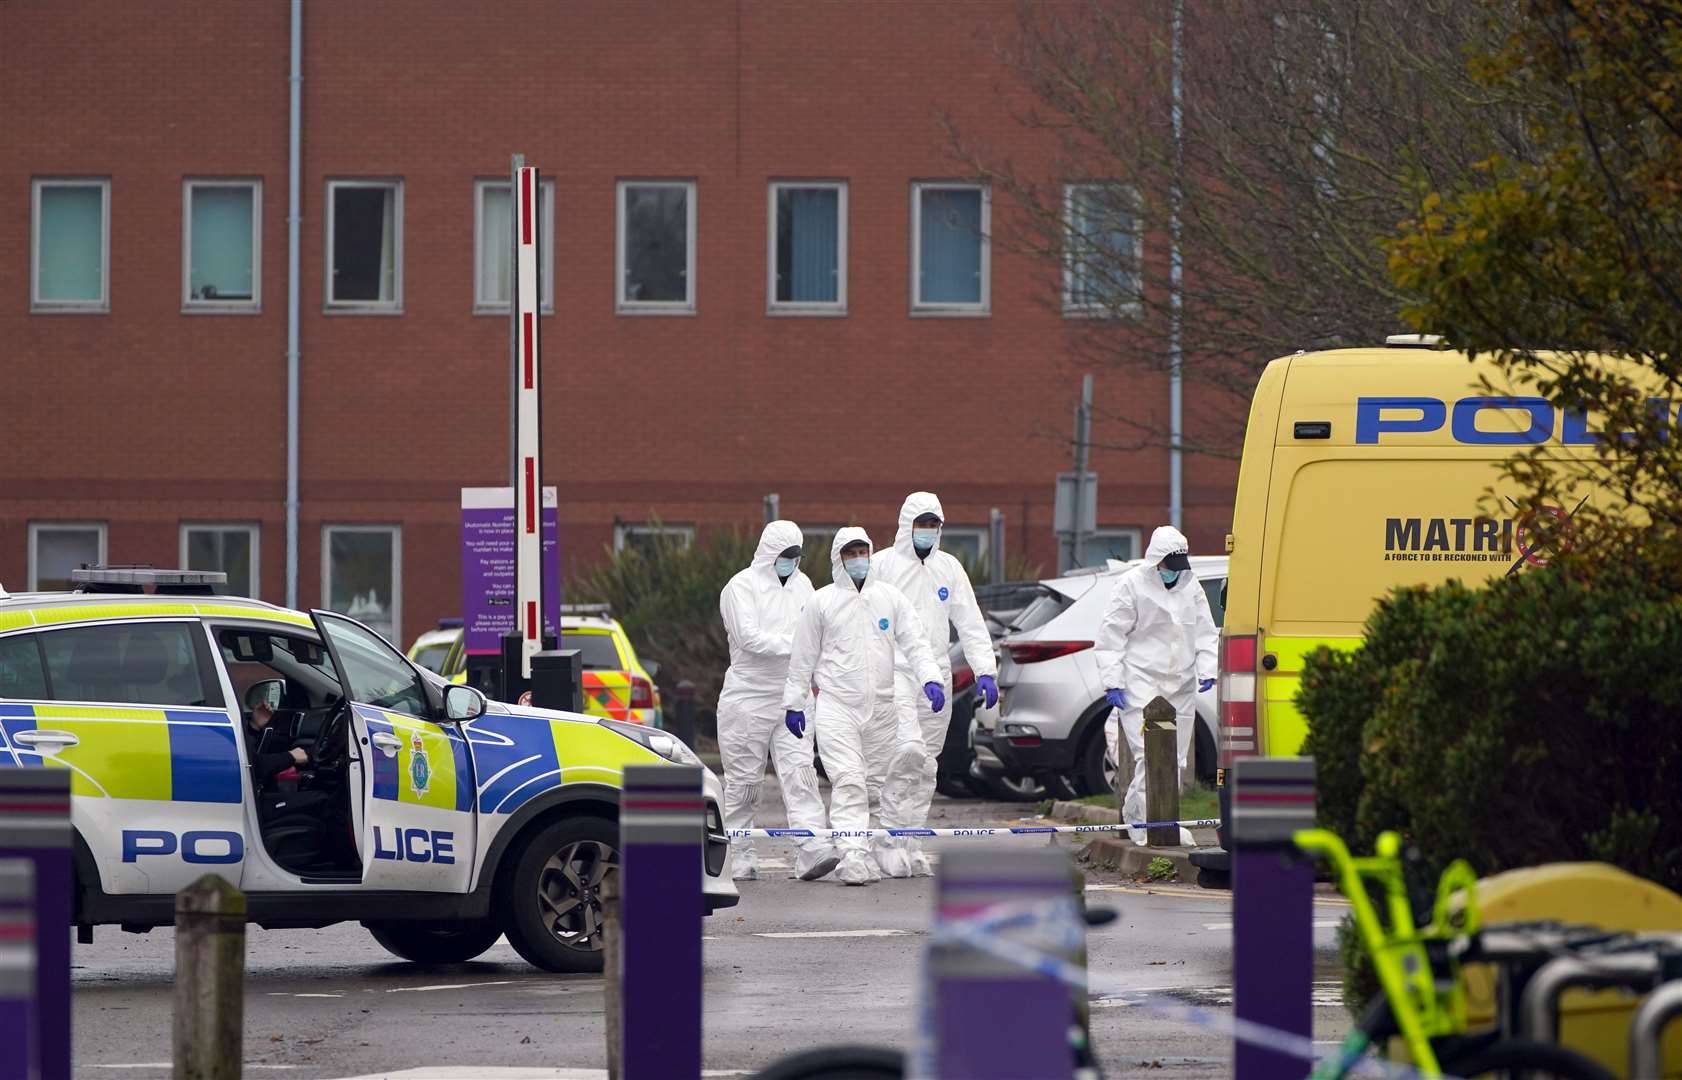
(1205, 685)
(989, 688)
(1116, 698)
(796, 722)
(936, 696)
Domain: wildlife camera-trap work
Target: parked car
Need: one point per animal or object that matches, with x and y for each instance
(434, 648)
(968, 766)
(1052, 709)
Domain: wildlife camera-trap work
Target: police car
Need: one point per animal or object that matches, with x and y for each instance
(438, 819)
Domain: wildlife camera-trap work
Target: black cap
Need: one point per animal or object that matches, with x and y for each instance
(1176, 561)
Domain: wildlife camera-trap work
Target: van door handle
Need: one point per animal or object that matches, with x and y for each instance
(46, 738)
(388, 742)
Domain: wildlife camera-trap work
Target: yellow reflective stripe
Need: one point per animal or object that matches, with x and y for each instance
(11, 620)
(260, 614)
(440, 762)
(1291, 652)
(120, 760)
(592, 748)
(45, 616)
(1283, 726)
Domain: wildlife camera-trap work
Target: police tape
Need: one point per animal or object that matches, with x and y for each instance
(1000, 830)
(981, 932)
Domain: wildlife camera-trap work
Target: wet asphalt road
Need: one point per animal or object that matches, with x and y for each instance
(794, 966)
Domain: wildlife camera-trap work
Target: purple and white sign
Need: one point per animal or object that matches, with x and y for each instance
(487, 567)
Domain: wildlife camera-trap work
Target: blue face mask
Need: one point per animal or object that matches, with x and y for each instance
(787, 567)
(1168, 576)
(857, 568)
(924, 539)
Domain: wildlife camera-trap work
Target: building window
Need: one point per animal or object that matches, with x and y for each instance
(649, 539)
(57, 548)
(808, 263)
(656, 250)
(1102, 251)
(221, 245)
(967, 544)
(365, 245)
(949, 248)
(362, 574)
(71, 261)
(493, 224)
(1102, 545)
(231, 549)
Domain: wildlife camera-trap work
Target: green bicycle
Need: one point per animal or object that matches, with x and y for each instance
(1424, 999)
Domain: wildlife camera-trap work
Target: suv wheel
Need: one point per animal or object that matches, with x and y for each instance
(436, 943)
(1095, 770)
(552, 907)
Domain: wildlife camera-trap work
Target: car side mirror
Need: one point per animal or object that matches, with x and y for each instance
(463, 703)
(272, 691)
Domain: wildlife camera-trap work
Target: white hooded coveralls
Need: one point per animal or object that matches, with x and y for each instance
(939, 588)
(847, 645)
(1154, 641)
(760, 612)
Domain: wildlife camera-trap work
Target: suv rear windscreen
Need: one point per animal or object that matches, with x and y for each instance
(1013, 608)
(597, 651)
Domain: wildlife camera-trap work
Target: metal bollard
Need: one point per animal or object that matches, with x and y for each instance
(1646, 1029)
(973, 989)
(1162, 772)
(1272, 909)
(662, 834)
(683, 714)
(35, 826)
(209, 980)
(17, 972)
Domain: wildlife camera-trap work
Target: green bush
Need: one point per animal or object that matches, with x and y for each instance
(666, 595)
(1537, 719)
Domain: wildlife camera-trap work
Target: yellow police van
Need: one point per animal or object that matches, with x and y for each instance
(1365, 470)
(311, 764)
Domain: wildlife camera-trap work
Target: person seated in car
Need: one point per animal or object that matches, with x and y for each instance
(266, 765)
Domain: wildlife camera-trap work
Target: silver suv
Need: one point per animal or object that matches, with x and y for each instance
(1052, 707)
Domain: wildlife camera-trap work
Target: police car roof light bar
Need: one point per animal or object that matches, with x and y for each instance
(135, 579)
(604, 610)
(1414, 341)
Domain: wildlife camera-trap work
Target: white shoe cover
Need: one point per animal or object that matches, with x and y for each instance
(920, 866)
(855, 869)
(744, 870)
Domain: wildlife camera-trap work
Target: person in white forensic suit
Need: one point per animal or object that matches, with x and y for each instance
(761, 607)
(939, 588)
(1157, 638)
(850, 639)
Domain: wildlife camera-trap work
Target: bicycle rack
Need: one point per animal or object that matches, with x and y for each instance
(1539, 1007)
(1646, 1029)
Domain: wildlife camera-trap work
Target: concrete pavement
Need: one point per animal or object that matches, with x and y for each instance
(794, 966)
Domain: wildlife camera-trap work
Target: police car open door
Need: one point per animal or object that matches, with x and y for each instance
(416, 821)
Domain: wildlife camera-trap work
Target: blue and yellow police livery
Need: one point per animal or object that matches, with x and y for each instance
(308, 762)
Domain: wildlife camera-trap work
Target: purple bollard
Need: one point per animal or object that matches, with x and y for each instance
(662, 830)
(35, 826)
(1272, 910)
(17, 971)
(993, 1019)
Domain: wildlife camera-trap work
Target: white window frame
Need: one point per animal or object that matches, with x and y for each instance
(838, 306)
(944, 309)
(35, 528)
(1074, 310)
(190, 306)
(251, 528)
(396, 531)
(394, 306)
(622, 530)
(481, 306)
(623, 306)
(101, 306)
(980, 533)
(1136, 535)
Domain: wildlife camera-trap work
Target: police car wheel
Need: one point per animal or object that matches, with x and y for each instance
(552, 908)
(435, 943)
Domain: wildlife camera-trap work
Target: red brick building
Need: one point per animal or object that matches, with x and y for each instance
(840, 340)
